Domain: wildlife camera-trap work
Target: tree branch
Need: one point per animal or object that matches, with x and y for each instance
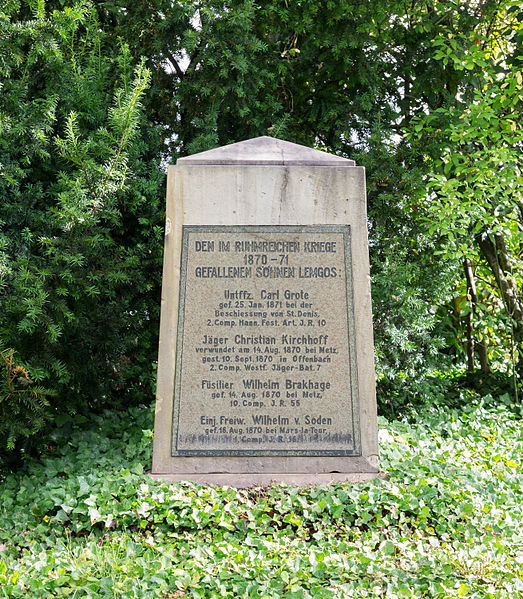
(175, 65)
(482, 345)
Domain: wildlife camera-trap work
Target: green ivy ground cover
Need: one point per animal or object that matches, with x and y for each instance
(85, 521)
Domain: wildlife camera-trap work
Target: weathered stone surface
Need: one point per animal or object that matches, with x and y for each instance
(264, 480)
(265, 151)
(266, 354)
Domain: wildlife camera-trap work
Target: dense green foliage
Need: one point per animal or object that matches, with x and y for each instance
(81, 212)
(474, 198)
(85, 522)
(372, 81)
(426, 95)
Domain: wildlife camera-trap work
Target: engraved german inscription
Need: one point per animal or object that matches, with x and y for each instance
(265, 355)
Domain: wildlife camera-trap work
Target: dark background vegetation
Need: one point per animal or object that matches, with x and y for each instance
(97, 97)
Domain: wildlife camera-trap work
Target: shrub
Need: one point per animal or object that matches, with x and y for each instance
(81, 210)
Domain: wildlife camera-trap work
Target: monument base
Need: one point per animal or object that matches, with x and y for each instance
(243, 480)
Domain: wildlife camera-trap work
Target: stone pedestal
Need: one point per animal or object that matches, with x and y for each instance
(266, 370)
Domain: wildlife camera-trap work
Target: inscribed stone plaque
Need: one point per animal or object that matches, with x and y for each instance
(265, 361)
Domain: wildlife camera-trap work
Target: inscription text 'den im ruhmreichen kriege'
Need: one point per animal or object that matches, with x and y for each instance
(265, 360)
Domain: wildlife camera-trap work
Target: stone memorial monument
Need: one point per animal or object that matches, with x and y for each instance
(266, 363)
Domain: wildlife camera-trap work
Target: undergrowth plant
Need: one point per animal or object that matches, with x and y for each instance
(85, 520)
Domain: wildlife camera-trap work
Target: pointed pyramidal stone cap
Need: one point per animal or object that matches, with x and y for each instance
(264, 151)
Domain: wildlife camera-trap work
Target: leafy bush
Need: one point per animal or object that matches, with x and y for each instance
(472, 197)
(409, 336)
(81, 210)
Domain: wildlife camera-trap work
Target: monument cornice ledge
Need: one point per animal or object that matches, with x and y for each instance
(264, 151)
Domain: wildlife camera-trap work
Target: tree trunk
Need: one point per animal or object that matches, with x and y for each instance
(496, 255)
(495, 252)
(482, 345)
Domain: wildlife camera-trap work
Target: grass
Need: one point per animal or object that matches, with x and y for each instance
(85, 521)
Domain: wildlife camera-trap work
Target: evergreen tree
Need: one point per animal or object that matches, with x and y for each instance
(81, 211)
